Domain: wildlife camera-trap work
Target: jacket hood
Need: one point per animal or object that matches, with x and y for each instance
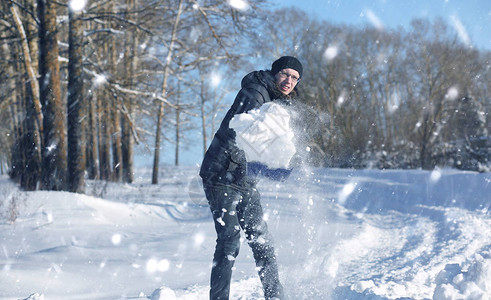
(266, 79)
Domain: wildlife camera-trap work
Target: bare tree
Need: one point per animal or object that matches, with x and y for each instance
(127, 123)
(115, 110)
(210, 90)
(160, 114)
(435, 81)
(30, 140)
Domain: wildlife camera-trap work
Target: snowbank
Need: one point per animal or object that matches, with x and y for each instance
(339, 234)
(454, 283)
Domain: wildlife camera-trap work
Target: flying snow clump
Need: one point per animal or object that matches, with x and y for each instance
(35, 296)
(331, 53)
(452, 93)
(265, 135)
(116, 239)
(163, 293)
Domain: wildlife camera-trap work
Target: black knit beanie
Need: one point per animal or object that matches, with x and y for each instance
(286, 62)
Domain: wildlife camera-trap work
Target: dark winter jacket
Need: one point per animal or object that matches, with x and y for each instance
(224, 162)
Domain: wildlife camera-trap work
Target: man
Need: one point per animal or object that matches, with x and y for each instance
(231, 192)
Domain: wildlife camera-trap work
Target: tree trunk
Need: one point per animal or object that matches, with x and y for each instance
(32, 122)
(75, 104)
(104, 136)
(116, 141)
(31, 64)
(178, 128)
(126, 135)
(92, 134)
(31, 173)
(116, 121)
(104, 97)
(203, 120)
(92, 153)
(7, 104)
(156, 157)
(54, 146)
(17, 159)
(36, 114)
(10, 103)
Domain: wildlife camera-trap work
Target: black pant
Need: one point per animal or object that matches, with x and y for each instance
(235, 207)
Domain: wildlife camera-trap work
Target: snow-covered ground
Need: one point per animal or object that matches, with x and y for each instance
(339, 234)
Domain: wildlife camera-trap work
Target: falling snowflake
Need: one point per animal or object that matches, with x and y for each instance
(51, 147)
(215, 80)
(452, 93)
(152, 265)
(163, 265)
(99, 79)
(331, 53)
(77, 5)
(199, 238)
(435, 175)
(341, 98)
(346, 191)
(116, 239)
(239, 4)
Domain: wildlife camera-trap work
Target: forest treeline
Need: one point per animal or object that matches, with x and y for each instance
(81, 86)
(415, 98)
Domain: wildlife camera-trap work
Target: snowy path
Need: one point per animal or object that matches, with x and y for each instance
(396, 252)
(339, 234)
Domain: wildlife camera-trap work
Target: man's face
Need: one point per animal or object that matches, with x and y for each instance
(287, 79)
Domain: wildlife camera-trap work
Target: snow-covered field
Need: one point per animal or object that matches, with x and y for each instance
(339, 234)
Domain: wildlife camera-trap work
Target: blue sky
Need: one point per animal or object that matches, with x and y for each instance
(473, 16)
